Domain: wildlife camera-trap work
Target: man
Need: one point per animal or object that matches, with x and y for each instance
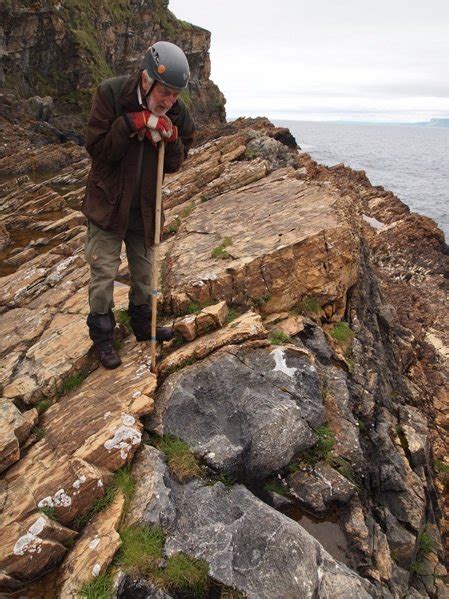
(129, 116)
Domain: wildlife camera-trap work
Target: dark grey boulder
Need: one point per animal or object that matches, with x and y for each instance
(247, 544)
(252, 547)
(315, 340)
(247, 411)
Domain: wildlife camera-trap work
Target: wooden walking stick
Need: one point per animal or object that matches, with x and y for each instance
(157, 236)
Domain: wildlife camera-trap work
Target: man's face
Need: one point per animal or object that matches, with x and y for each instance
(161, 98)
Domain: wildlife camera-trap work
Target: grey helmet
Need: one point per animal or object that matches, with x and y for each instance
(167, 63)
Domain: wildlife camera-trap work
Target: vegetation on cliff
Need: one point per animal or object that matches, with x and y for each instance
(74, 45)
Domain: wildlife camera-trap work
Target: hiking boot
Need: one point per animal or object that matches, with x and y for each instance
(140, 321)
(107, 355)
(101, 331)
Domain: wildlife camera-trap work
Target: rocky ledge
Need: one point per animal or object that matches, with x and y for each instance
(294, 442)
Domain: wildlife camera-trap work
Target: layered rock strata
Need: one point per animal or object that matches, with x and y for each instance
(341, 415)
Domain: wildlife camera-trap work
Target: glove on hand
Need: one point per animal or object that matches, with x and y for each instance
(154, 136)
(139, 120)
(156, 128)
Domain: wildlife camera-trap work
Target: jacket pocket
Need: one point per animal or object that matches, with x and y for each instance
(107, 192)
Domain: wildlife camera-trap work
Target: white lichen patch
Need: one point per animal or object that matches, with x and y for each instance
(128, 420)
(136, 394)
(96, 570)
(209, 276)
(123, 440)
(37, 527)
(106, 415)
(59, 499)
(281, 364)
(30, 542)
(95, 542)
(99, 483)
(142, 370)
(46, 502)
(79, 481)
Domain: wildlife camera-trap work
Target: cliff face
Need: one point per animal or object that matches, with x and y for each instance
(64, 49)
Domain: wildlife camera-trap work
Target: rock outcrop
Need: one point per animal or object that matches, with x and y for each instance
(308, 375)
(38, 41)
(247, 544)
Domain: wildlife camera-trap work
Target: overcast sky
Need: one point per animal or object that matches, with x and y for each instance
(376, 60)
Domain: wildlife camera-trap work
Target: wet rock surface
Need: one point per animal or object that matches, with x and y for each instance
(318, 489)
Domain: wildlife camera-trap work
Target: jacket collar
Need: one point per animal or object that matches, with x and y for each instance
(128, 95)
(129, 100)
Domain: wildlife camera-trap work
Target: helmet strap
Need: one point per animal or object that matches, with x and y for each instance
(143, 101)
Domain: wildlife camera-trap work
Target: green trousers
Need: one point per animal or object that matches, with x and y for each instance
(102, 252)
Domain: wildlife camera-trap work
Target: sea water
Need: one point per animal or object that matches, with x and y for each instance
(410, 160)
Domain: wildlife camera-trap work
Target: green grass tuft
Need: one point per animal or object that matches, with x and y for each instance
(425, 547)
(122, 481)
(322, 450)
(196, 307)
(38, 432)
(100, 587)
(185, 212)
(425, 543)
(173, 227)
(186, 98)
(123, 318)
(441, 467)
(72, 382)
(181, 461)
(275, 486)
(186, 574)
(226, 479)
(220, 253)
(141, 554)
(344, 467)
(232, 315)
(279, 338)
(193, 308)
(342, 333)
(42, 406)
(49, 511)
(260, 300)
(250, 153)
(309, 305)
(180, 366)
(141, 549)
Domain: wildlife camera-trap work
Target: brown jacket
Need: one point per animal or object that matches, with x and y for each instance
(113, 180)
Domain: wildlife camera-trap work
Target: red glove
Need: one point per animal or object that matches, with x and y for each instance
(174, 135)
(154, 135)
(156, 128)
(163, 125)
(138, 120)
